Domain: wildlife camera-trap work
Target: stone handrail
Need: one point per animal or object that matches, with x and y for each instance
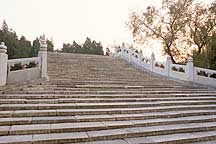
(24, 62)
(207, 72)
(24, 69)
(178, 68)
(182, 72)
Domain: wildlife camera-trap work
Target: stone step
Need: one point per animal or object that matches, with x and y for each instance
(94, 98)
(76, 105)
(202, 114)
(194, 137)
(54, 88)
(136, 86)
(111, 92)
(156, 133)
(102, 100)
(105, 96)
(83, 82)
(206, 142)
(103, 125)
(110, 89)
(48, 85)
(182, 138)
(120, 141)
(69, 112)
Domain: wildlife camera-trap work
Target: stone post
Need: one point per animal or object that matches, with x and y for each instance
(152, 62)
(43, 56)
(130, 54)
(3, 64)
(115, 53)
(140, 56)
(190, 69)
(168, 65)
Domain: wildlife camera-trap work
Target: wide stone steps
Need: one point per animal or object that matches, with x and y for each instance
(103, 100)
(111, 92)
(18, 100)
(182, 138)
(185, 116)
(69, 112)
(77, 105)
(105, 96)
(197, 132)
(62, 90)
(110, 88)
(191, 123)
(104, 89)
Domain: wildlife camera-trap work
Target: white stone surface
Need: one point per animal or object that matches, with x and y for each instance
(43, 57)
(3, 64)
(3, 68)
(23, 75)
(190, 72)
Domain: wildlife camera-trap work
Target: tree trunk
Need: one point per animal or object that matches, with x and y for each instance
(172, 59)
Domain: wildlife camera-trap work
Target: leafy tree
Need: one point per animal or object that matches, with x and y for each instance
(212, 50)
(50, 45)
(207, 57)
(20, 48)
(202, 24)
(67, 48)
(5, 27)
(164, 24)
(10, 39)
(35, 47)
(76, 47)
(24, 48)
(89, 47)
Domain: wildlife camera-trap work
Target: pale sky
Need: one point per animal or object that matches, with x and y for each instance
(68, 20)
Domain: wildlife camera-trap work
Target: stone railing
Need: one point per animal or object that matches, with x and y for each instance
(24, 69)
(182, 72)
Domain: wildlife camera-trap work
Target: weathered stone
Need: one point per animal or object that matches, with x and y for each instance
(22, 139)
(56, 138)
(100, 100)
(29, 129)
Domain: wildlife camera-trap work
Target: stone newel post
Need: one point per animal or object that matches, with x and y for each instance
(140, 56)
(168, 65)
(3, 64)
(130, 51)
(152, 61)
(190, 69)
(43, 56)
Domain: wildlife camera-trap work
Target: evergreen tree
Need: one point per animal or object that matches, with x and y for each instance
(89, 47)
(4, 27)
(35, 48)
(20, 48)
(50, 45)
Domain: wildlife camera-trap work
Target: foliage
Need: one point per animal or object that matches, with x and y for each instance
(179, 24)
(207, 57)
(20, 48)
(50, 45)
(35, 47)
(202, 24)
(89, 47)
(164, 24)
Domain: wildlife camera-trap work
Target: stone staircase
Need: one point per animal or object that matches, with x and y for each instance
(103, 100)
